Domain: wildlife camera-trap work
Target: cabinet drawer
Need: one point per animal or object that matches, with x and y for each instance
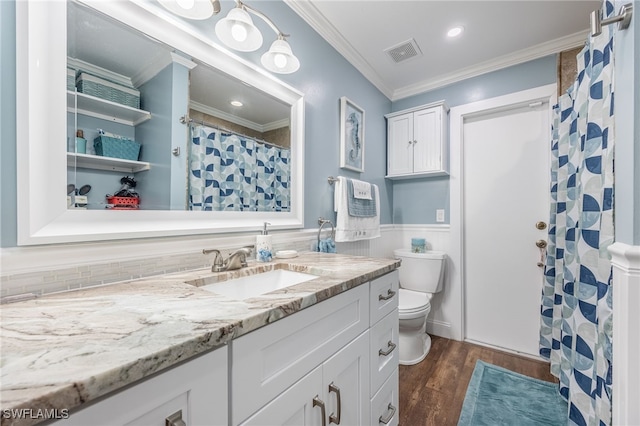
(198, 388)
(267, 361)
(384, 351)
(383, 296)
(384, 405)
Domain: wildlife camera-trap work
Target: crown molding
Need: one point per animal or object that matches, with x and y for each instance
(519, 57)
(312, 16)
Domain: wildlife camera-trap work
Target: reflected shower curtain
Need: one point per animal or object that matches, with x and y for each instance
(576, 313)
(229, 172)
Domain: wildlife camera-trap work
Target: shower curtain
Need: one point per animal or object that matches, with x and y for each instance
(230, 172)
(576, 312)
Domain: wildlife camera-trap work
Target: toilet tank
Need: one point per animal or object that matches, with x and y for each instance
(421, 271)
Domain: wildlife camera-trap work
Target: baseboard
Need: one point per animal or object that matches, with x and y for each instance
(440, 328)
(510, 351)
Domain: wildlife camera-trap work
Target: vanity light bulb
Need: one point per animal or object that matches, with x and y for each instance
(239, 32)
(186, 4)
(280, 60)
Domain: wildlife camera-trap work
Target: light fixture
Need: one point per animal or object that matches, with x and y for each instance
(455, 32)
(238, 32)
(236, 103)
(192, 9)
(280, 58)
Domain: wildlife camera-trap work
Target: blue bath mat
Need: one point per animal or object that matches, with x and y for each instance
(497, 396)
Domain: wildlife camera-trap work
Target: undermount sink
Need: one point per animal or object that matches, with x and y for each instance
(255, 285)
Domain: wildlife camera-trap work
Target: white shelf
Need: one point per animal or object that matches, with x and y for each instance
(418, 175)
(106, 110)
(96, 162)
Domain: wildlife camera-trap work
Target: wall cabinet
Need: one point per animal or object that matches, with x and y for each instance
(417, 142)
(195, 391)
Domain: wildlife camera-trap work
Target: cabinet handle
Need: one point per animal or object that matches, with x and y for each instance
(317, 402)
(332, 418)
(175, 419)
(390, 349)
(390, 294)
(391, 411)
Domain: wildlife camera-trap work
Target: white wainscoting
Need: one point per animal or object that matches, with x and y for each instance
(626, 333)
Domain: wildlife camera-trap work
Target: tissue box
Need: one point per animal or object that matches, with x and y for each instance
(418, 245)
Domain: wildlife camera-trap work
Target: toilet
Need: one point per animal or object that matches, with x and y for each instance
(421, 275)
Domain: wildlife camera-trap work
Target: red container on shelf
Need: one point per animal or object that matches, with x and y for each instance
(124, 203)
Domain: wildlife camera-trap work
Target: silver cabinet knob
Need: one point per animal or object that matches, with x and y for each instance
(336, 418)
(391, 346)
(391, 411)
(175, 419)
(317, 402)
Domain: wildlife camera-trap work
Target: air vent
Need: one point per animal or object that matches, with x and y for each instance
(403, 51)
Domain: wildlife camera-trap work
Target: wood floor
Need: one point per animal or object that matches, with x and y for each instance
(432, 392)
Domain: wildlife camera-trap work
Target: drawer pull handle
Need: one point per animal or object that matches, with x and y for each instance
(391, 411)
(175, 419)
(390, 294)
(332, 417)
(317, 402)
(391, 346)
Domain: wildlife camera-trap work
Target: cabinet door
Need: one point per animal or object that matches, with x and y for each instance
(427, 150)
(384, 404)
(197, 388)
(295, 406)
(400, 145)
(346, 384)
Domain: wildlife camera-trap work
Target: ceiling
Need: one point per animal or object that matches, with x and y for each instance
(497, 34)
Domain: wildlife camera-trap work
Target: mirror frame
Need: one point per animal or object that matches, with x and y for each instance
(41, 56)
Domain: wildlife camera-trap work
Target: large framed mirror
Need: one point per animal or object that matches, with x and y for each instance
(50, 112)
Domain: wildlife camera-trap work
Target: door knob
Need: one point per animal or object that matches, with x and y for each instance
(541, 244)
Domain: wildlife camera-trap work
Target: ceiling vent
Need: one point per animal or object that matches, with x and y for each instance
(403, 51)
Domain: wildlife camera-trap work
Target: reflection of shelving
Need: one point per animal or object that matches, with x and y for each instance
(106, 110)
(96, 162)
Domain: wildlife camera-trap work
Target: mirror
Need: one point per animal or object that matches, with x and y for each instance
(167, 42)
(173, 168)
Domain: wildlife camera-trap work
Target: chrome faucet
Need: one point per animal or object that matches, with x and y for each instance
(236, 260)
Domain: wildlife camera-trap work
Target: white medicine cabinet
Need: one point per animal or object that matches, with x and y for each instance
(417, 142)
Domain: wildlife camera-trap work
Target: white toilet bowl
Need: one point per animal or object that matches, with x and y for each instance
(421, 275)
(414, 341)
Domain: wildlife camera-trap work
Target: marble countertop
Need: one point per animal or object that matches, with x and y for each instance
(62, 350)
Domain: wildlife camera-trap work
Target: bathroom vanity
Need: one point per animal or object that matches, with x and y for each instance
(168, 347)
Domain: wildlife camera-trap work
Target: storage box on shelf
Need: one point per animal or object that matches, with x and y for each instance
(103, 89)
(117, 147)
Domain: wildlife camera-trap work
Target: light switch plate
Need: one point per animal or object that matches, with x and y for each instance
(440, 215)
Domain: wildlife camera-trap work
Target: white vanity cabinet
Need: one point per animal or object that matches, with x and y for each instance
(322, 351)
(322, 365)
(195, 392)
(417, 142)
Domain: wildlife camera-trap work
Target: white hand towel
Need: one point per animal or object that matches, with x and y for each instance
(353, 228)
(361, 189)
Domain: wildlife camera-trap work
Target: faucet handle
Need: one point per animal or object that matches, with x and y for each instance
(217, 260)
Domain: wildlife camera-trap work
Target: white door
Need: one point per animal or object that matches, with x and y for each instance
(505, 178)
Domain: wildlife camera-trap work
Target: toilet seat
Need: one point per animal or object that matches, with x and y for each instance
(413, 301)
(413, 304)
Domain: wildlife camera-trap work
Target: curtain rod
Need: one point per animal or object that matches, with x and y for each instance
(185, 119)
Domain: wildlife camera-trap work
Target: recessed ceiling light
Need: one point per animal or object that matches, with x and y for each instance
(455, 31)
(236, 103)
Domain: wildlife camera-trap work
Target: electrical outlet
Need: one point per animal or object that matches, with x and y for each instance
(440, 215)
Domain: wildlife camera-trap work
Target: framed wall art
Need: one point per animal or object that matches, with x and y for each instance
(351, 136)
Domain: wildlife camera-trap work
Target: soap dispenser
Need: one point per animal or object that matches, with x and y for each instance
(264, 247)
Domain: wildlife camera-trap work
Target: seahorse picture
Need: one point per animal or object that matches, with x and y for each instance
(351, 135)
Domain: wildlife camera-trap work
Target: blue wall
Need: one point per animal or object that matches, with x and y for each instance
(415, 201)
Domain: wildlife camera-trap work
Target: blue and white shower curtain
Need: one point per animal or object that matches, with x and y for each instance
(576, 313)
(228, 172)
